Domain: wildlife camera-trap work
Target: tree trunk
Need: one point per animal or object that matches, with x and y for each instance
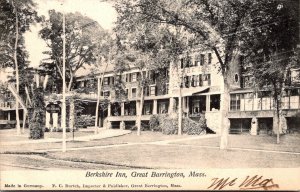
(97, 106)
(72, 114)
(17, 69)
(139, 118)
(277, 116)
(70, 82)
(99, 86)
(180, 112)
(140, 111)
(225, 123)
(24, 118)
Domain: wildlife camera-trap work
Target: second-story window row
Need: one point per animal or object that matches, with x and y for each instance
(196, 80)
(130, 77)
(199, 60)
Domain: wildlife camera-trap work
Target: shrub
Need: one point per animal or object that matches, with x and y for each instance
(192, 127)
(144, 127)
(154, 123)
(36, 131)
(36, 127)
(169, 126)
(83, 121)
(202, 121)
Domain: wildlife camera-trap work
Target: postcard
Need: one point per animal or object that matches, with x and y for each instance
(149, 95)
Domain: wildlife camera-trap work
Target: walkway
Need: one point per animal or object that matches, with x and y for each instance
(103, 133)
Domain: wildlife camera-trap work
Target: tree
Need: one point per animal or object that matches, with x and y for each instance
(141, 47)
(273, 52)
(103, 47)
(218, 25)
(16, 17)
(81, 33)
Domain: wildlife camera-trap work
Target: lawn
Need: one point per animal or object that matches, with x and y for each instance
(146, 136)
(289, 142)
(9, 135)
(180, 156)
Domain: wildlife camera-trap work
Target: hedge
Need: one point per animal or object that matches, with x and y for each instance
(192, 127)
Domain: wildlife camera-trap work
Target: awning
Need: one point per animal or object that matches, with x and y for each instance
(192, 91)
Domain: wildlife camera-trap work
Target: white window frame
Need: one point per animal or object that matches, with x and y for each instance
(150, 91)
(132, 96)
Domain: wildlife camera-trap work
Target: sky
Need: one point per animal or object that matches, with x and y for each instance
(102, 12)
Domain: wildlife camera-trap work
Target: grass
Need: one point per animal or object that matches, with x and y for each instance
(11, 135)
(289, 142)
(146, 136)
(180, 154)
(168, 156)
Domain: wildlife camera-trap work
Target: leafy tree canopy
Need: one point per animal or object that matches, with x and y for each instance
(82, 38)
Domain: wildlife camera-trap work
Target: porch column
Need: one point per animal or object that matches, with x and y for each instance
(154, 111)
(171, 105)
(187, 106)
(207, 103)
(99, 121)
(47, 120)
(122, 125)
(55, 120)
(8, 116)
(137, 105)
(254, 126)
(183, 104)
(109, 110)
(122, 109)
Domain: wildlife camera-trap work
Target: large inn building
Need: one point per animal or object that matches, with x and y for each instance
(202, 84)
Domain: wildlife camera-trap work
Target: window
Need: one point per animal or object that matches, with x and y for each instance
(207, 79)
(196, 80)
(106, 80)
(162, 107)
(200, 80)
(133, 77)
(189, 62)
(82, 84)
(126, 92)
(133, 92)
(193, 82)
(152, 90)
(182, 63)
(186, 82)
(202, 59)
(235, 102)
(295, 92)
(209, 58)
(236, 78)
(147, 109)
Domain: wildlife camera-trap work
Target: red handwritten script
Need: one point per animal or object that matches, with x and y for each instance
(250, 182)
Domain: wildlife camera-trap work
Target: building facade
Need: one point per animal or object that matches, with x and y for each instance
(197, 79)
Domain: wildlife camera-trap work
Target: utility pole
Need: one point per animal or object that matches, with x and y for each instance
(63, 113)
